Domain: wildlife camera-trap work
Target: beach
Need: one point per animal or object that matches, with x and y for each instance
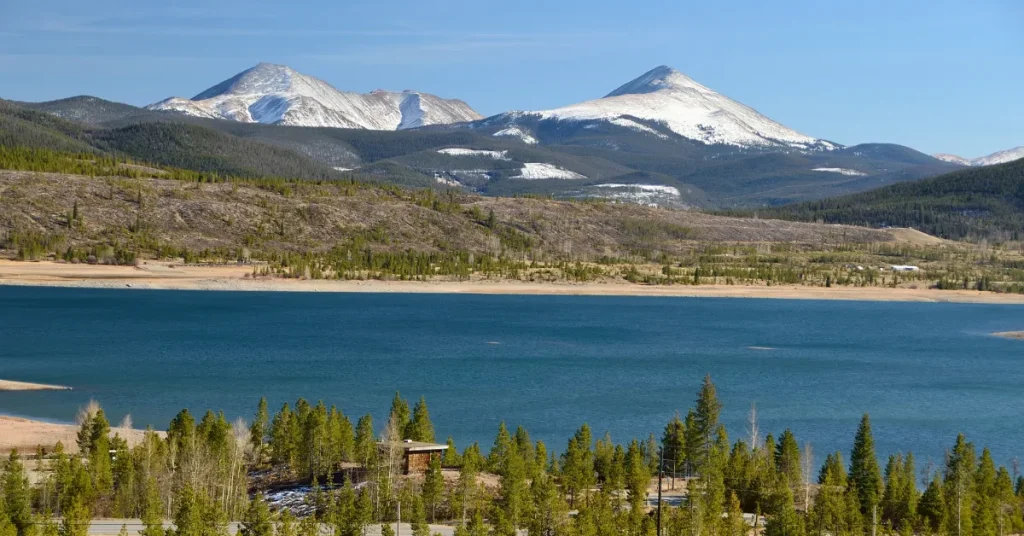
(1019, 335)
(169, 276)
(26, 435)
(10, 385)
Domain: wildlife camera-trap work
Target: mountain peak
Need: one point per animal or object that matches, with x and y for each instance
(277, 94)
(657, 79)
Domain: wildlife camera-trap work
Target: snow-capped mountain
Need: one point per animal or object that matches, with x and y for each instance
(277, 94)
(1001, 157)
(668, 97)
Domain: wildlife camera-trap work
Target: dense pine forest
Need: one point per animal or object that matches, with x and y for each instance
(202, 474)
(974, 204)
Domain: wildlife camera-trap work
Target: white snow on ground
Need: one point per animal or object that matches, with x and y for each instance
(458, 151)
(516, 132)
(644, 194)
(633, 125)
(276, 94)
(953, 159)
(539, 170)
(1001, 157)
(842, 171)
(654, 188)
(688, 109)
(343, 169)
(445, 181)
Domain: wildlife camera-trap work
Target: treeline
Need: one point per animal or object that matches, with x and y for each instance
(196, 474)
(974, 204)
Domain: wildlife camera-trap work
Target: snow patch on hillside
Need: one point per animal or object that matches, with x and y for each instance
(516, 132)
(644, 194)
(841, 171)
(458, 151)
(633, 125)
(540, 170)
(1001, 157)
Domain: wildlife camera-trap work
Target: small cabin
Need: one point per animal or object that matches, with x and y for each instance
(416, 455)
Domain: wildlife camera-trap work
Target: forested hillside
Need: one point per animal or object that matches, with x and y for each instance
(976, 203)
(177, 144)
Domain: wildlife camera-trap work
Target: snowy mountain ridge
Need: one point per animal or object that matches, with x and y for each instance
(1000, 157)
(277, 94)
(667, 96)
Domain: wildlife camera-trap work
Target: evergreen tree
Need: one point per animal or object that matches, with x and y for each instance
(864, 471)
(420, 428)
(452, 459)
(498, 457)
(282, 438)
(259, 430)
(673, 444)
(578, 464)
(17, 497)
(400, 414)
(418, 518)
(931, 509)
(706, 420)
(433, 486)
(637, 475)
(785, 521)
(286, 523)
(737, 526)
(958, 484)
(787, 459)
(257, 520)
(365, 443)
(152, 510)
(75, 521)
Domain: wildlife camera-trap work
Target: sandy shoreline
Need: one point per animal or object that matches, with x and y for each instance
(1019, 335)
(27, 434)
(160, 275)
(9, 385)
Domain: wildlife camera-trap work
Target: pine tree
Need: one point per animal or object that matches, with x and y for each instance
(706, 420)
(864, 471)
(787, 459)
(451, 455)
(673, 444)
(433, 486)
(958, 485)
(152, 510)
(258, 430)
(17, 497)
(257, 519)
(785, 521)
(497, 458)
(75, 521)
(931, 509)
(365, 443)
(286, 523)
(637, 475)
(420, 428)
(418, 519)
(400, 413)
(578, 464)
(737, 525)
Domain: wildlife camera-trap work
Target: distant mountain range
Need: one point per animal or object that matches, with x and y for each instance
(1000, 157)
(278, 95)
(660, 139)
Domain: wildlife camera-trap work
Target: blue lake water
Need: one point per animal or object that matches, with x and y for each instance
(923, 371)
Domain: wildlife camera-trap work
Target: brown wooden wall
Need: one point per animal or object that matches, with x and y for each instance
(419, 462)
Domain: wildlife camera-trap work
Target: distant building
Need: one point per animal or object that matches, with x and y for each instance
(904, 268)
(416, 456)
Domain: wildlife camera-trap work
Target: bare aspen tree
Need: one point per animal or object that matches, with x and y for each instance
(808, 467)
(755, 434)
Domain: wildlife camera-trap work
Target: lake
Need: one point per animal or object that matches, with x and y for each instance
(622, 364)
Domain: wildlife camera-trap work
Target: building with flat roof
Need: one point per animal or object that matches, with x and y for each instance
(416, 455)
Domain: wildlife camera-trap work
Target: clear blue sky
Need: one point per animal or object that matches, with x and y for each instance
(937, 75)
